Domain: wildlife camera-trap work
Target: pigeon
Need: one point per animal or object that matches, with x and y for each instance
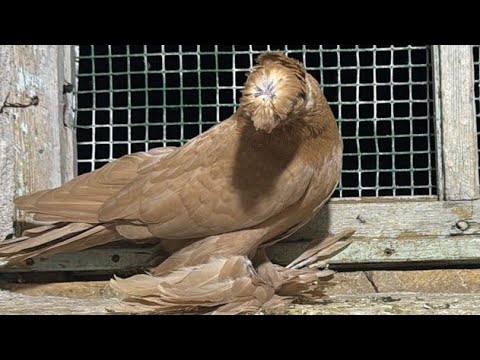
(214, 205)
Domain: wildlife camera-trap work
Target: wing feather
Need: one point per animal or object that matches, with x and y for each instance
(79, 199)
(211, 186)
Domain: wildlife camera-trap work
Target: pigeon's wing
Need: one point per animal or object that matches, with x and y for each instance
(80, 199)
(224, 180)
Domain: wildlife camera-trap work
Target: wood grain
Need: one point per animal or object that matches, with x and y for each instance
(388, 234)
(7, 148)
(458, 121)
(36, 145)
(355, 304)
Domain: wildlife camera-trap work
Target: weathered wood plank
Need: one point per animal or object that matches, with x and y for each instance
(445, 281)
(394, 252)
(17, 304)
(72, 290)
(110, 259)
(357, 304)
(437, 107)
(393, 304)
(430, 231)
(453, 281)
(33, 129)
(383, 292)
(459, 130)
(389, 219)
(33, 137)
(36, 128)
(7, 148)
(66, 78)
(385, 252)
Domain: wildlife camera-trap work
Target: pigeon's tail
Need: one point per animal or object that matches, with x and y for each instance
(275, 92)
(53, 239)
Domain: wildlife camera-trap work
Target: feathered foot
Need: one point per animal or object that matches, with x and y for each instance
(229, 286)
(233, 285)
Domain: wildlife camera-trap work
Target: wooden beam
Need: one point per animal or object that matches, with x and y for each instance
(458, 122)
(395, 219)
(111, 259)
(394, 252)
(389, 233)
(383, 253)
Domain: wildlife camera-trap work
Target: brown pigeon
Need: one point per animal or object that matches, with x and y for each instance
(214, 204)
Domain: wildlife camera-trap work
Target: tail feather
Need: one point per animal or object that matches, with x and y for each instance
(27, 234)
(41, 229)
(53, 218)
(43, 239)
(59, 238)
(323, 249)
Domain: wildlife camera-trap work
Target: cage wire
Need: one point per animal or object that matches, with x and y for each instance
(476, 62)
(134, 98)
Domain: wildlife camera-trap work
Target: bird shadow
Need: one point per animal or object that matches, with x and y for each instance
(260, 160)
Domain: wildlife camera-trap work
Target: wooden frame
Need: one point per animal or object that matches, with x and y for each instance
(413, 231)
(457, 124)
(35, 115)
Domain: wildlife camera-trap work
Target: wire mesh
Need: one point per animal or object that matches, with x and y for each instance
(476, 62)
(133, 98)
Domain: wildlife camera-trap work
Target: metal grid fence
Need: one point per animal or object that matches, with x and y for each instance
(132, 98)
(476, 62)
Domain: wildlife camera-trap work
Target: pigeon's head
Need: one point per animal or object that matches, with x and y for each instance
(276, 92)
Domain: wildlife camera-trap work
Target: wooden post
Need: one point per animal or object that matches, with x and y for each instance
(437, 106)
(458, 122)
(7, 178)
(66, 74)
(35, 114)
